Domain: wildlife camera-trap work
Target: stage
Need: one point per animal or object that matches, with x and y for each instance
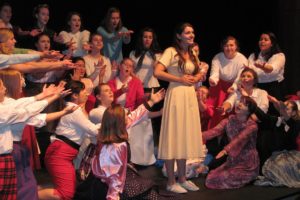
(249, 192)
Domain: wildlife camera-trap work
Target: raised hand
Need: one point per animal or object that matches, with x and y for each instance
(158, 96)
(221, 110)
(54, 55)
(86, 47)
(230, 90)
(212, 83)
(46, 92)
(221, 154)
(70, 109)
(128, 33)
(242, 91)
(58, 38)
(275, 102)
(35, 32)
(259, 65)
(273, 99)
(114, 65)
(71, 45)
(124, 88)
(67, 64)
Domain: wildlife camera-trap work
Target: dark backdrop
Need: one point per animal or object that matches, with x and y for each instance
(212, 19)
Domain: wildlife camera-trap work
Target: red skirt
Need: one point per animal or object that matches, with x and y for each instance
(29, 140)
(59, 163)
(217, 95)
(8, 178)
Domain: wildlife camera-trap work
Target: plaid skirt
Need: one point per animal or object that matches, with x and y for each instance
(8, 179)
(85, 165)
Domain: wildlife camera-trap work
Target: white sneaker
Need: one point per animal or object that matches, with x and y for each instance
(189, 185)
(176, 188)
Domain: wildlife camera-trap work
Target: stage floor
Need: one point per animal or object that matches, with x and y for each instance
(249, 192)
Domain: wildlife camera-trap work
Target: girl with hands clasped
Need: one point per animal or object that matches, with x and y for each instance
(242, 163)
(180, 136)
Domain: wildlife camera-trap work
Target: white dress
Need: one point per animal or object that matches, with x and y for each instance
(140, 137)
(180, 136)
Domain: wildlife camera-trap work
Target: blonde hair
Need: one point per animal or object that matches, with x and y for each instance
(5, 35)
(12, 81)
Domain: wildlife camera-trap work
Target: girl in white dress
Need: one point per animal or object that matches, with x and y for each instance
(180, 136)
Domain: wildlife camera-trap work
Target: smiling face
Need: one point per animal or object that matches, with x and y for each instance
(187, 36)
(230, 49)
(265, 42)
(7, 40)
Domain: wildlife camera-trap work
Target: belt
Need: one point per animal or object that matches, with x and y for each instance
(68, 141)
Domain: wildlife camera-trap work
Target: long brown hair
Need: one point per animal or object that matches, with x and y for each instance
(178, 30)
(12, 80)
(113, 126)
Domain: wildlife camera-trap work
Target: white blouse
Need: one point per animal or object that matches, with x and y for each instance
(96, 114)
(38, 120)
(75, 126)
(277, 61)
(13, 112)
(227, 69)
(258, 95)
